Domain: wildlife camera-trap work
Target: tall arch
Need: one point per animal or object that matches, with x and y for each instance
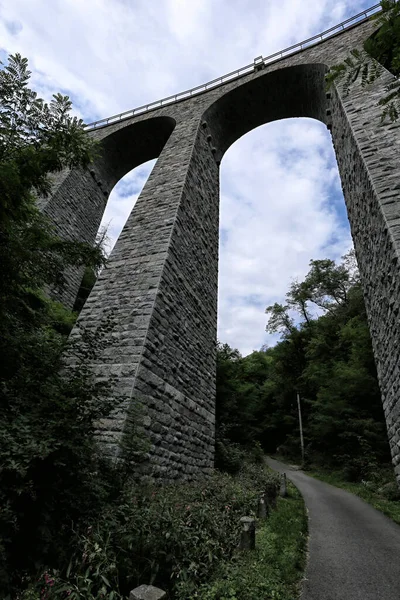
(297, 91)
(79, 197)
(281, 204)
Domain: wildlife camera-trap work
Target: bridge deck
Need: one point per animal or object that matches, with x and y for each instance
(258, 62)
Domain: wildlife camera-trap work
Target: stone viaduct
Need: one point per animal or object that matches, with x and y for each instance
(160, 282)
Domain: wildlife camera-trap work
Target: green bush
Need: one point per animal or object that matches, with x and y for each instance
(274, 569)
(390, 491)
(91, 575)
(48, 463)
(228, 456)
(174, 537)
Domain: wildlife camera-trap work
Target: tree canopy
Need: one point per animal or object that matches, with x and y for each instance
(325, 354)
(47, 454)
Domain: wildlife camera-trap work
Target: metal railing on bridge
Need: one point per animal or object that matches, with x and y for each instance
(362, 16)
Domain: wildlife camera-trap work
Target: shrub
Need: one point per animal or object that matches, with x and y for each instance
(390, 491)
(173, 536)
(273, 570)
(228, 456)
(92, 573)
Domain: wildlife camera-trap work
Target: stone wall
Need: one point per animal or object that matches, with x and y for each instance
(161, 280)
(368, 155)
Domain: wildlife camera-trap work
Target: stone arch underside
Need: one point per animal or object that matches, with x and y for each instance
(79, 197)
(160, 284)
(297, 91)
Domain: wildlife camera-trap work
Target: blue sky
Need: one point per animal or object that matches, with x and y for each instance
(281, 201)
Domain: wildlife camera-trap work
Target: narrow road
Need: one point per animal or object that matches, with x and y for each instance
(354, 550)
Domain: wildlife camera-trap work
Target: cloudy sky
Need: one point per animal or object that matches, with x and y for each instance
(281, 201)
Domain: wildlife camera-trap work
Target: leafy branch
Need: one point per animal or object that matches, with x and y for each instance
(366, 65)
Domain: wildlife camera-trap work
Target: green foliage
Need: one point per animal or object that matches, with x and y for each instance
(91, 574)
(326, 355)
(274, 569)
(36, 137)
(239, 407)
(279, 320)
(356, 66)
(379, 489)
(174, 537)
(49, 473)
(181, 533)
(384, 47)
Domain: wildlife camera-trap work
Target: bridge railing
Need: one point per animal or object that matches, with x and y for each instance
(362, 16)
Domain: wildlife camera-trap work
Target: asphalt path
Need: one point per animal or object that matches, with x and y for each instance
(354, 550)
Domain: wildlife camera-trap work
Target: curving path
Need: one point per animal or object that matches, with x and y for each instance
(354, 550)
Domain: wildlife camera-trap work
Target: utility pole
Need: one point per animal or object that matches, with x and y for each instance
(301, 429)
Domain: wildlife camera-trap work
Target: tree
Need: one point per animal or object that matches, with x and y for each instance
(279, 320)
(325, 355)
(48, 458)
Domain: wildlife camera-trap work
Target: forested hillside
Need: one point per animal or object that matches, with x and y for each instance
(325, 354)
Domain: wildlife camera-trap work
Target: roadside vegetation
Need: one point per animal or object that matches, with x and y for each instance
(173, 536)
(275, 568)
(325, 356)
(381, 490)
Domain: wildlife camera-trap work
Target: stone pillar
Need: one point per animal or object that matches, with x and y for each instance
(160, 284)
(368, 155)
(248, 534)
(147, 592)
(75, 208)
(262, 508)
(283, 489)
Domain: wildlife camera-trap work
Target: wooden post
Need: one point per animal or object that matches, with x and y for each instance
(301, 429)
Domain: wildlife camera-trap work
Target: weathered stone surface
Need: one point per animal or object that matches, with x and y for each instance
(283, 488)
(161, 279)
(248, 534)
(147, 592)
(262, 511)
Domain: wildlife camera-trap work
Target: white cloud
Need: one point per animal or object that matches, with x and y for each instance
(276, 214)
(280, 188)
(123, 199)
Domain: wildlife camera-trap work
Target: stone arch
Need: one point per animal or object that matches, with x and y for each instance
(297, 91)
(130, 146)
(290, 92)
(79, 199)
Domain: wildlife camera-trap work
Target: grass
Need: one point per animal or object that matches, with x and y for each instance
(275, 568)
(367, 491)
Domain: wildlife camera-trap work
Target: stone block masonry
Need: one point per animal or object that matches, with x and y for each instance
(160, 283)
